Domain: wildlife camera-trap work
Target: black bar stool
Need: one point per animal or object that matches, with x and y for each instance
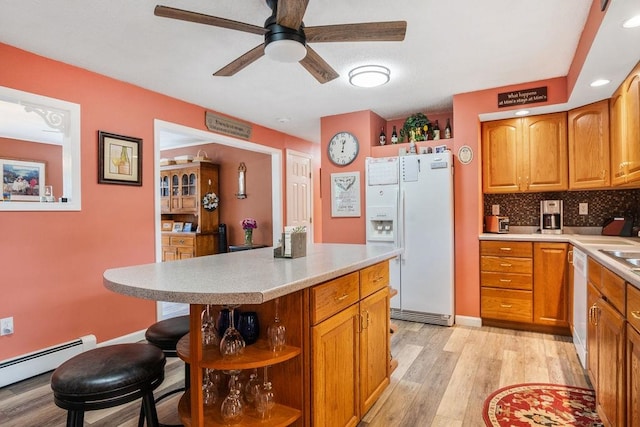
(165, 335)
(109, 376)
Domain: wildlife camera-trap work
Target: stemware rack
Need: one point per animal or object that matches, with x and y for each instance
(190, 350)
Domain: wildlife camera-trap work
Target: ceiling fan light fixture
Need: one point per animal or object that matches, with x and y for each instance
(369, 76)
(285, 50)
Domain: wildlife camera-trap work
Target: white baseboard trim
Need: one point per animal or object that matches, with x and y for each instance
(125, 339)
(469, 321)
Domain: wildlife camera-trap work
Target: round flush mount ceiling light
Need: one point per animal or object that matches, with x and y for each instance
(522, 112)
(369, 76)
(600, 82)
(632, 22)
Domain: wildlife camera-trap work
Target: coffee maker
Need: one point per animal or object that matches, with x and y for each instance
(551, 216)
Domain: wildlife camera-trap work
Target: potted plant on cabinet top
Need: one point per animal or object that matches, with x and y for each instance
(417, 125)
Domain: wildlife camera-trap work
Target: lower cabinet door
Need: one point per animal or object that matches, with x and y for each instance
(374, 348)
(335, 367)
(633, 377)
(611, 390)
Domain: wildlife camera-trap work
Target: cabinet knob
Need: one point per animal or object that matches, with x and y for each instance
(636, 314)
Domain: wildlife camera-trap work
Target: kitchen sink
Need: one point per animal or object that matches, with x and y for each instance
(632, 259)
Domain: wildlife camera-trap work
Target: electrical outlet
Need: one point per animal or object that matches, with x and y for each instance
(583, 209)
(495, 209)
(6, 326)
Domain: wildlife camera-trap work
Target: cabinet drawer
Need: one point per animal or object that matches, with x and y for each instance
(165, 240)
(334, 296)
(181, 240)
(633, 306)
(511, 305)
(594, 273)
(502, 248)
(374, 278)
(506, 264)
(506, 280)
(613, 288)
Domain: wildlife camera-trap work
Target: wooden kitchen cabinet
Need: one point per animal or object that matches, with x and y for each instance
(526, 154)
(177, 246)
(606, 345)
(588, 139)
(625, 131)
(350, 345)
(633, 355)
(550, 293)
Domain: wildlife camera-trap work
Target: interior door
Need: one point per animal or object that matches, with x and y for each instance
(299, 191)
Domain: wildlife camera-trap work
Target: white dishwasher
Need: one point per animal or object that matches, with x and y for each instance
(580, 304)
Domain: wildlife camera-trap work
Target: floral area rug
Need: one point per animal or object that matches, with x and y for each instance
(546, 405)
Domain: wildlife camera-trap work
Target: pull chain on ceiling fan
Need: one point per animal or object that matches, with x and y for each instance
(286, 38)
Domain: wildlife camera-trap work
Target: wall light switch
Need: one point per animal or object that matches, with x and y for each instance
(495, 209)
(583, 209)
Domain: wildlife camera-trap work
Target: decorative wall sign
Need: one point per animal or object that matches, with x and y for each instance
(345, 194)
(522, 97)
(465, 154)
(226, 125)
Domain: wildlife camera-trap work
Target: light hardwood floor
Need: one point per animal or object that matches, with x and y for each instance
(442, 379)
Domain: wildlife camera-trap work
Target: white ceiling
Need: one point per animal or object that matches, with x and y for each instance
(452, 46)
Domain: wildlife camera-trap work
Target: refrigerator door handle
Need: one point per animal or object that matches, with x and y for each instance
(403, 236)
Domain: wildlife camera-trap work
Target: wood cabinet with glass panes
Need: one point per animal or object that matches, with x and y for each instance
(182, 189)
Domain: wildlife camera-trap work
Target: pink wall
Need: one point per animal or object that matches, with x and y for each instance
(52, 262)
(232, 210)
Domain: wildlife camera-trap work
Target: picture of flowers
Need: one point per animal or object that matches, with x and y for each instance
(21, 180)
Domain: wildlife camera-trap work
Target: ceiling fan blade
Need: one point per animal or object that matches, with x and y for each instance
(318, 67)
(241, 62)
(392, 31)
(200, 18)
(290, 13)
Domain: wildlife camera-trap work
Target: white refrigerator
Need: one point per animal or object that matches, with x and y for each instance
(409, 204)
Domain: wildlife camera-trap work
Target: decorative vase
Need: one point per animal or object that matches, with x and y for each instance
(248, 237)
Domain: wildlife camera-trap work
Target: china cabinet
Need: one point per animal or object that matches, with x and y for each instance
(182, 188)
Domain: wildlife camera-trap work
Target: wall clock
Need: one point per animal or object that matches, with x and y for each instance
(343, 148)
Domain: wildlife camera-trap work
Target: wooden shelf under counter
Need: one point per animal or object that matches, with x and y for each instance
(281, 415)
(256, 355)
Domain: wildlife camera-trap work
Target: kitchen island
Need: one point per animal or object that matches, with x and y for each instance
(336, 287)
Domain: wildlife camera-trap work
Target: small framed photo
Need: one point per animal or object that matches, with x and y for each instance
(177, 226)
(440, 148)
(22, 180)
(187, 227)
(167, 225)
(119, 159)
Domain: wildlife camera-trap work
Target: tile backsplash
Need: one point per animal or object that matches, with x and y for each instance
(523, 209)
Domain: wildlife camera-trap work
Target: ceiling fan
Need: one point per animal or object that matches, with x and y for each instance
(286, 37)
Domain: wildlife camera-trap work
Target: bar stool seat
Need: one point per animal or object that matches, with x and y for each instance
(109, 376)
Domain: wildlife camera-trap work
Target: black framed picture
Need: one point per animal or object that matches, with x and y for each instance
(119, 159)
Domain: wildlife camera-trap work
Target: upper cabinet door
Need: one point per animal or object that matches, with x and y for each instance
(632, 127)
(589, 163)
(501, 141)
(544, 164)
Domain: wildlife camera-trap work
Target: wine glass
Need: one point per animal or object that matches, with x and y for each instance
(231, 409)
(252, 388)
(265, 400)
(209, 334)
(209, 388)
(232, 343)
(277, 332)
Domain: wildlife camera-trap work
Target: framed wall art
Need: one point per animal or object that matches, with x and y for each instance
(345, 194)
(22, 180)
(119, 159)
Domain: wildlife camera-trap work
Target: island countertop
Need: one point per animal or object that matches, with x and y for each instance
(247, 277)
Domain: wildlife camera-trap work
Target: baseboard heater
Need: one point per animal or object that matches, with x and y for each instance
(47, 359)
(417, 316)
